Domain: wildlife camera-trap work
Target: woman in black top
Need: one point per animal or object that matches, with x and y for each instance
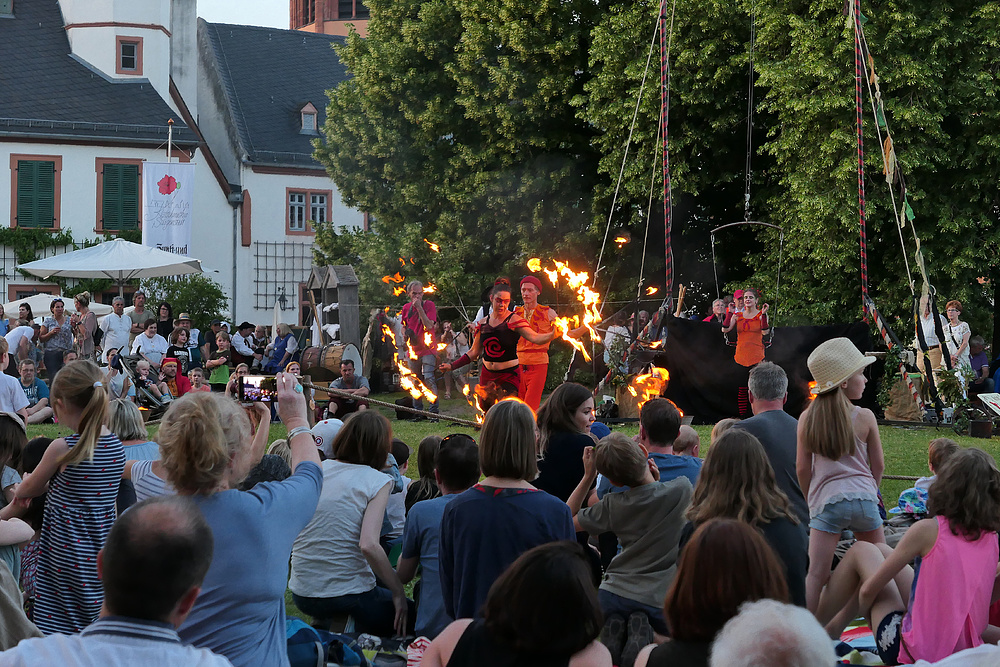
(164, 320)
(496, 340)
(541, 612)
(564, 427)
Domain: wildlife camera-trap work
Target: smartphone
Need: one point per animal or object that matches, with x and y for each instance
(258, 388)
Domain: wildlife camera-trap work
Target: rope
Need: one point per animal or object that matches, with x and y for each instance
(645, 237)
(750, 105)
(425, 413)
(856, 11)
(621, 171)
(666, 43)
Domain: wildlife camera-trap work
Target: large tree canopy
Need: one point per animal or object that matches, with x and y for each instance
(498, 131)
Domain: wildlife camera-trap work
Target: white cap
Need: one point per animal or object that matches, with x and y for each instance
(324, 432)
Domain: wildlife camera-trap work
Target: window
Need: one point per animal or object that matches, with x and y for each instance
(129, 56)
(308, 114)
(297, 212)
(6, 7)
(306, 207)
(35, 190)
(118, 204)
(317, 208)
(19, 292)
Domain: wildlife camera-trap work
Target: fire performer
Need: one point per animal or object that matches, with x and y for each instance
(496, 339)
(419, 317)
(751, 326)
(533, 358)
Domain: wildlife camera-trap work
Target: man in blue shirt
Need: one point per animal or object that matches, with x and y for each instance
(456, 468)
(659, 426)
(37, 393)
(151, 568)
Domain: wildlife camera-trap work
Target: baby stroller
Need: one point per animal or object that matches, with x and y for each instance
(145, 398)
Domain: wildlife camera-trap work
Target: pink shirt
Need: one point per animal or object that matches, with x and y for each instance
(950, 603)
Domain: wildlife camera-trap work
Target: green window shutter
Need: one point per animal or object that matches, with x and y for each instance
(120, 208)
(36, 187)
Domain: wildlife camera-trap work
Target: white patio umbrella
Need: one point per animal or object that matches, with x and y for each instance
(40, 303)
(119, 260)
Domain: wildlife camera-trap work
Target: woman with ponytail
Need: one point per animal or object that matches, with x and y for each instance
(206, 451)
(82, 472)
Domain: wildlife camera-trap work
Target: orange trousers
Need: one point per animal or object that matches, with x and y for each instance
(532, 384)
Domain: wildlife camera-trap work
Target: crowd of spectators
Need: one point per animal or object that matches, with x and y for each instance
(533, 542)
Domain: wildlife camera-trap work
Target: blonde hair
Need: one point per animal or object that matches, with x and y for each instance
(280, 448)
(3, 346)
(125, 420)
(508, 444)
(738, 482)
(83, 298)
(284, 329)
(199, 438)
(80, 384)
(722, 426)
(620, 459)
(222, 335)
(142, 363)
(827, 427)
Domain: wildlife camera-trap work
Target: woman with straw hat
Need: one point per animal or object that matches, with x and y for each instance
(839, 460)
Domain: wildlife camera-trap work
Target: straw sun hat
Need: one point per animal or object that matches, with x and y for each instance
(834, 362)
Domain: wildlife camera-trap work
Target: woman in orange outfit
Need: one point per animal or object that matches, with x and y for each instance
(533, 358)
(751, 326)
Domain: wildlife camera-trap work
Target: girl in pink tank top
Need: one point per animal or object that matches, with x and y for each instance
(838, 459)
(941, 606)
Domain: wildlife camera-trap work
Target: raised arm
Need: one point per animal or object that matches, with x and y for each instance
(292, 410)
(371, 527)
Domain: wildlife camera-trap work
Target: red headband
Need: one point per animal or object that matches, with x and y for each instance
(532, 280)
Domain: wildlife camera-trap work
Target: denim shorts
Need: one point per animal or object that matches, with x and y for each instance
(887, 638)
(857, 514)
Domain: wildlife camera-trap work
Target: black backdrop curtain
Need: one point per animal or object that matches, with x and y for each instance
(704, 377)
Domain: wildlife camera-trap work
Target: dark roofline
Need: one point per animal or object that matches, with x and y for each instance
(102, 132)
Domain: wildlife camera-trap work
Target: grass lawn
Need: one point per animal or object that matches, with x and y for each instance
(905, 447)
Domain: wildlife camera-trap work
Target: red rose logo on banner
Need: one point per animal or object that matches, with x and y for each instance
(167, 185)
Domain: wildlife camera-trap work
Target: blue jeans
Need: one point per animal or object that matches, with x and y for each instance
(372, 611)
(616, 604)
(425, 368)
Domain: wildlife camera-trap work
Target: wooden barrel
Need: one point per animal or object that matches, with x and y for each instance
(331, 356)
(310, 357)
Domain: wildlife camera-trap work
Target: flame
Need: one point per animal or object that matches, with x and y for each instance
(428, 340)
(434, 246)
(430, 289)
(388, 280)
(398, 291)
(656, 344)
(407, 380)
(649, 385)
(811, 396)
(621, 240)
(412, 352)
(473, 400)
(534, 265)
(441, 346)
(591, 300)
(402, 261)
(651, 291)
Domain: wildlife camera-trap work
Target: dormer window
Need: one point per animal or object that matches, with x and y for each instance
(129, 57)
(6, 7)
(310, 123)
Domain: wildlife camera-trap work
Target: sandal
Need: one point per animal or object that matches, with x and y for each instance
(447, 397)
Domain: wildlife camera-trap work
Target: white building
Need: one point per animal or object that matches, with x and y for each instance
(86, 90)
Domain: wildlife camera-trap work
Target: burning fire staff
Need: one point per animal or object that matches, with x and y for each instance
(496, 339)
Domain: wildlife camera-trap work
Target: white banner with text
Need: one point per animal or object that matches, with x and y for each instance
(167, 205)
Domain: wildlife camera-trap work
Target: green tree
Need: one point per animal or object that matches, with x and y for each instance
(457, 127)
(938, 76)
(195, 294)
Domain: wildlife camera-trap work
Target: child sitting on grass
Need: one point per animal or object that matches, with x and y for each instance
(647, 518)
(914, 500)
(456, 469)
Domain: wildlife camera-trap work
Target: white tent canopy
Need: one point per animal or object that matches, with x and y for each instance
(118, 260)
(40, 306)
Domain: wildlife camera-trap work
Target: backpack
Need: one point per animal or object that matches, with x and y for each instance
(98, 335)
(309, 647)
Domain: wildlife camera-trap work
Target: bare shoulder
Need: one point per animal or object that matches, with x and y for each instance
(642, 659)
(595, 655)
(439, 651)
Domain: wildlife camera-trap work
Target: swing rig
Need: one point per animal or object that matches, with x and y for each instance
(866, 79)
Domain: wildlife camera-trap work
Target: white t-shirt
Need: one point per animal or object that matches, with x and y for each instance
(395, 510)
(152, 348)
(326, 556)
(12, 396)
(15, 335)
